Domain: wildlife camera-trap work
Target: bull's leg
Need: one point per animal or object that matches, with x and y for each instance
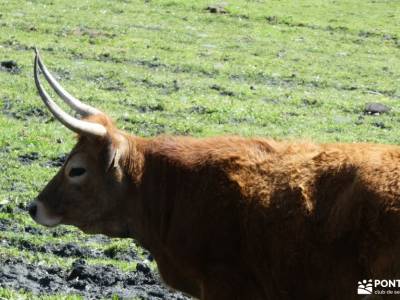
(176, 279)
(221, 284)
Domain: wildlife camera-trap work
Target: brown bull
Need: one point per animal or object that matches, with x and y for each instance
(230, 217)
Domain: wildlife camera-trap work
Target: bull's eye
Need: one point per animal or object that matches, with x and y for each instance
(74, 172)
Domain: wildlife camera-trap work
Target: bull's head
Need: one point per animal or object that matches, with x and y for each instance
(91, 183)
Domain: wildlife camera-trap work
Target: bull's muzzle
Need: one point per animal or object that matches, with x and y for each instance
(41, 215)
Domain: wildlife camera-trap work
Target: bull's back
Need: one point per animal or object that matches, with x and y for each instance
(332, 217)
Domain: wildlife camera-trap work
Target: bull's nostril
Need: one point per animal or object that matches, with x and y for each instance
(32, 210)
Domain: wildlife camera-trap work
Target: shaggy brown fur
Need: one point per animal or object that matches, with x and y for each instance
(237, 218)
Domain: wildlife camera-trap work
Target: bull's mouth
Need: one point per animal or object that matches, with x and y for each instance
(40, 215)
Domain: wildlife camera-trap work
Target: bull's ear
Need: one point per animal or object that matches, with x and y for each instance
(113, 159)
(110, 156)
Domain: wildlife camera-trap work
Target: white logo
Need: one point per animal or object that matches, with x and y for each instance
(365, 287)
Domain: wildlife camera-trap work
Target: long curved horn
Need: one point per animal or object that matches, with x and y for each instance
(78, 126)
(81, 108)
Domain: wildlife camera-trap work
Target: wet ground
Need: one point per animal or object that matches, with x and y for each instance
(92, 282)
(81, 278)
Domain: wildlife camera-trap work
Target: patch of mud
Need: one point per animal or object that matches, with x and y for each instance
(90, 281)
(148, 129)
(275, 20)
(56, 162)
(118, 254)
(143, 108)
(60, 231)
(10, 205)
(23, 114)
(28, 158)
(199, 109)
(91, 32)
(166, 88)
(69, 249)
(61, 250)
(143, 128)
(221, 90)
(33, 112)
(107, 83)
(6, 224)
(8, 209)
(154, 63)
(33, 230)
(10, 66)
(294, 81)
(217, 8)
(7, 107)
(381, 125)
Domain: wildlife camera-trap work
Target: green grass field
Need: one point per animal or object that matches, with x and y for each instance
(282, 69)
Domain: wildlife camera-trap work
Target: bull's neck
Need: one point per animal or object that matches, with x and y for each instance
(156, 179)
